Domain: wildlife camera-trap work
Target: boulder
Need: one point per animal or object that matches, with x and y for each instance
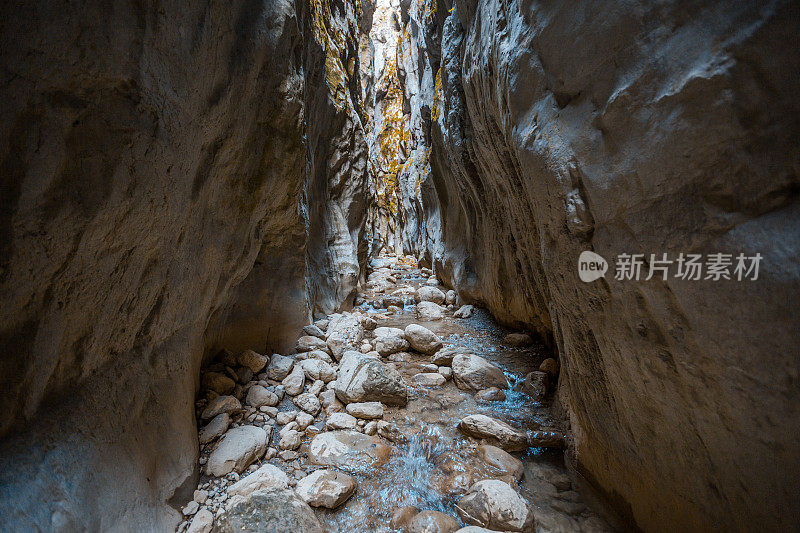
(550, 367)
(429, 379)
(290, 440)
(308, 402)
(385, 331)
(344, 333)
(473, 372)
(315, 354)
(389, 345)
(294, 382)
(450, 297)
(535, 385)
(494, 432)
(313, 331)
(279, 367)
(306, 343)
(221, 404)
(267, 477)
(202, 522)
(365, 410)
(494, 504)
(237, 449)
(315, 369)
(364, 378)
(431, 294)
(429, 311)
(492, 394)
(422, 339)
(252, 360)
(518, 339)
(348, 450)
(402, 516)
(269, 511)
(340, 421)
(218, 382)
(501, 461)
(465, 311)
(259, 395)
(218, 425)
(326, 488)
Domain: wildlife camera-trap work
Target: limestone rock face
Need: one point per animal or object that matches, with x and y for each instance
(555, 128)
(161, 198)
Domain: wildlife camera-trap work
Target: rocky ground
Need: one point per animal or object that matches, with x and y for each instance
(411, 413)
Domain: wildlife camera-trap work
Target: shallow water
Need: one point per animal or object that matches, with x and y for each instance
(438, 464)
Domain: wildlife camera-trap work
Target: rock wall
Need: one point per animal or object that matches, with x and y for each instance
(666, 127)
(163, 195)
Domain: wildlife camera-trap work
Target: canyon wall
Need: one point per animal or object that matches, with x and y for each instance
(163, 195)
(638, 128)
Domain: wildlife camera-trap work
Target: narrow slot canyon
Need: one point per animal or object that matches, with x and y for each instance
(422, 266)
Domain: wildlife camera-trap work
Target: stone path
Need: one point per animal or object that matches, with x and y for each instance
(411, 413)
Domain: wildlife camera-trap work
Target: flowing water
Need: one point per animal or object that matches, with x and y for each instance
(437, 464)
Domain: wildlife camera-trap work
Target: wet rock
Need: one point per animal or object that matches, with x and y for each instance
(279, 367)
(252, 360)
(388, 345)
(494, 504)
(431, 522)
(340, 421)
(348, 450)
(550, 367)
(429, 379)
(429, 311)
(269, 511)
(365, 410)
(518, 339)
(364, 378)
(344, 333)
(237, 449)
(308, 343)
(308, 402)
(472, 372)
(315, 369)
(202, 522)
(221, 404)
(402, 516)
(493, 431)
(391, 432)
(547, 439)
(501, 461)
(422, 339)
(465, 311)
(492, 394)
(266, 477)
(431, 294)
(258, 395)
(326, 488)
(219, 383)
(218, 425)
(535, 385)
(314, 331)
